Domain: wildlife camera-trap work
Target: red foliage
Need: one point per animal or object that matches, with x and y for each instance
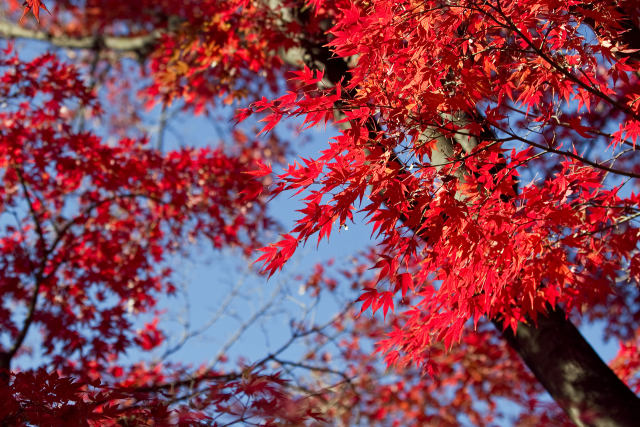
(34, 6)
(93, 225)
(490, 145)
(560, 240)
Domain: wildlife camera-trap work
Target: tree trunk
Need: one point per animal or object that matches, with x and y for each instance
(5, 369)
(573, 373)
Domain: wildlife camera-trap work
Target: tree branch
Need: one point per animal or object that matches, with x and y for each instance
(124, 44)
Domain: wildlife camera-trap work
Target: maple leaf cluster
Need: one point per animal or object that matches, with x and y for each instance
(468, 382)
(88, 229)
(446, 110)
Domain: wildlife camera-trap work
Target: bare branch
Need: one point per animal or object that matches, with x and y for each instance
(124, 44)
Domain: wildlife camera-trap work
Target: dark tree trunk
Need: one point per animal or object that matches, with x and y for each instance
(5, 367)
(573, 373)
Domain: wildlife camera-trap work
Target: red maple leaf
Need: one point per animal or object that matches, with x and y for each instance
(34, 6)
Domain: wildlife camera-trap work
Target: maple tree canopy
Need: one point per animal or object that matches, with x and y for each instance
(488, 144)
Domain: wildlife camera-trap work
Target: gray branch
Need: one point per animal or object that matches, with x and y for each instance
(123, 44)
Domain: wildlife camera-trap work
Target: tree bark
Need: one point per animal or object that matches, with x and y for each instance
(572, 372)
(5, 369)
(138, 46)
